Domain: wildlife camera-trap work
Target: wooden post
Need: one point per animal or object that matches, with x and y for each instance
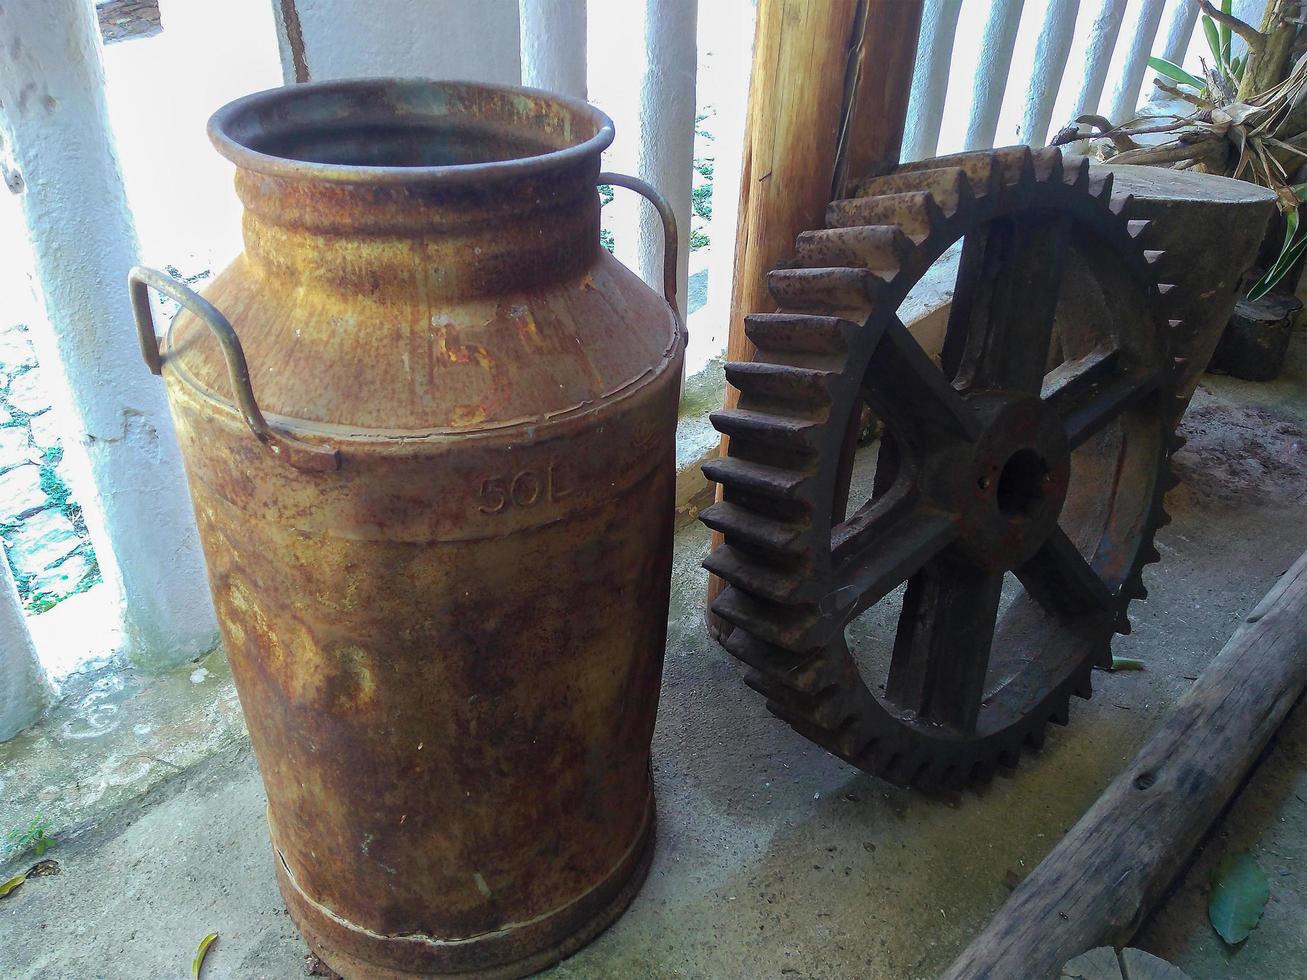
(827, 100)
(1097, 886)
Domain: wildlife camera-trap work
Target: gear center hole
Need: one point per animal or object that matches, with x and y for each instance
(1021, 483)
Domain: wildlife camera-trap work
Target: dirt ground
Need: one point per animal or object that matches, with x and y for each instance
(774, 859)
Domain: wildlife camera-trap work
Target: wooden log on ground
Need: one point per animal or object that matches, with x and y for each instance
(828, 96)
(1256, 339)
(1098, 884)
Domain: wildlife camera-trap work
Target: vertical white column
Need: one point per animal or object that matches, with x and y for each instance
(1046, 78)
(24, 691)
(939, 25)
(1180, 22)
(449, 39)
(1099, 45)
(996, 45)
(642, 73)
(64, 165)
(553, 45)
(1133, 61)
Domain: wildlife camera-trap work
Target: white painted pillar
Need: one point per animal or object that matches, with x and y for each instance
(553, 44)
(1050, 64)
(642, 73)
(24, 690)
(447, 39)
(1133, 61)
(996, 46)
(1099, 43)
(1181, 19)
(939, 25)
(65, 167)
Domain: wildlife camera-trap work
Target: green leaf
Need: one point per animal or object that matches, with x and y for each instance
(1126, 663)
(1224, 32)
(198, 963)
(1213, 39)
(1174, 72)
(1290, 253)
(1239, 894)
(11, 884)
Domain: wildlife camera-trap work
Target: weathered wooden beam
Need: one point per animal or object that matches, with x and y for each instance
(1098, 884)
(827, 99)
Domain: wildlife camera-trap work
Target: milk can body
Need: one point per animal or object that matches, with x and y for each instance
(437, 514)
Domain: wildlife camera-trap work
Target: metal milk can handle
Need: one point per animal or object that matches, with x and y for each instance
(299, 454)
(671, 247)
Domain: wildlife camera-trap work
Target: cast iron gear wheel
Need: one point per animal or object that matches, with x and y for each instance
(1037, 444)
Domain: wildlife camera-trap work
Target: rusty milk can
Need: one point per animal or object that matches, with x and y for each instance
(430, 443)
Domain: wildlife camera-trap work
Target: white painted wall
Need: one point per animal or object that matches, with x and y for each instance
(1097, 27)
(55, 125)
(553, 42)
(642, 73)
(468, 40)
(24, 692)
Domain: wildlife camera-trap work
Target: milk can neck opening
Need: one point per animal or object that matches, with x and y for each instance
(408, 131)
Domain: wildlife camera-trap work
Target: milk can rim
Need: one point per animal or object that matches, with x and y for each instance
(230, 116)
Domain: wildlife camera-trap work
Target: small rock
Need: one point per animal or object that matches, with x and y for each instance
(20, 493)
(14, 450)
(42, 541)
(60, 581)
(15, 351)
(28, 393)
(45, 430)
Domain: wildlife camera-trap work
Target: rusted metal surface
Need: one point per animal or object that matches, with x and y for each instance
(1036, 453)
(449, 648)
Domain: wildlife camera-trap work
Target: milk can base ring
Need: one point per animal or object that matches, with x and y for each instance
(327, 933)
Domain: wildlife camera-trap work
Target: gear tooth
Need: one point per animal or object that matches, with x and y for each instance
(882, 249)
(1178, 442)
(742, 526)
(1122, 204)
(1151, 555)
(1100, 184)
(1122, 625)
(781, 432)
(1034, 738)
(787, 586)
(1009, 757)
(1047, 162)
(796, 333)
(1153, 256)
(782, 382)
(982, 772)
(796, 629)
(1076, 171)
(1061, 712)
(1169, 481)
(756, 478)
(916, 213)
(844, 292)
(1084, 688)
(762, 657)
(949, 187)
(1137, 227)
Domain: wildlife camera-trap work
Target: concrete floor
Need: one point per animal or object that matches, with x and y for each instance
(774, 859)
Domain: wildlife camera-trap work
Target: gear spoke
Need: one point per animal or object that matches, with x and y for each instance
(1009, 281)
(1090, 399)
(906, 389)
(880, 546)
(1060, 579)
(942, 648)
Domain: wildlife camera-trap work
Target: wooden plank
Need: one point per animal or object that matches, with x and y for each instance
(827, 98)
(1097, 886)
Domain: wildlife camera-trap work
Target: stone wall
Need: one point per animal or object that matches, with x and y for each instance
(41, 525)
